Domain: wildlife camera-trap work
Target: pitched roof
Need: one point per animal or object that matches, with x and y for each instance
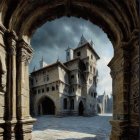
(58, 63)
(82, 42)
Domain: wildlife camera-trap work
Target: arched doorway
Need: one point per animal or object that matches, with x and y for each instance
(81, 109)
(99, 108)
(46, 107)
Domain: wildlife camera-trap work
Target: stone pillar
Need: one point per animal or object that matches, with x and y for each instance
(120, 72)
(24, 121)
(3, 75)
(134, 98)
(10, 98)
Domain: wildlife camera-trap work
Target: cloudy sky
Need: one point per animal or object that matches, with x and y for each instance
(53, 38)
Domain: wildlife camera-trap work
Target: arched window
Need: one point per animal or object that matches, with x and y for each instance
(72, 104)
(65, 103)
(95, 94)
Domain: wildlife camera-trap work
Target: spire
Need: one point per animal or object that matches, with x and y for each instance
(58, 59)
(82, 41)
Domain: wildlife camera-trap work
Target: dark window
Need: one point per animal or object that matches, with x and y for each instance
(73, 89)
(78, 53)
(90, 68)
(65, 103)
(47, 88)
(91, 56)
(92, 94)
(53, 88)
(72, 104)
(72, 76)
(36, 81)
(95, 94)
(38, 90)
(43, 90)
(94, 70)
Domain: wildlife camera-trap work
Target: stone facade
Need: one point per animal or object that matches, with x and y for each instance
(19, 20)
(104, 103)
(71, 85)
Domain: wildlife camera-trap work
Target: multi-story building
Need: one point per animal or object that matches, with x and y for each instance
(67, 88)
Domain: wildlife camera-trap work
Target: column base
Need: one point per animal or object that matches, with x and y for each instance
(2, 122)
(9, 129)
(24, 129)
(119, 130)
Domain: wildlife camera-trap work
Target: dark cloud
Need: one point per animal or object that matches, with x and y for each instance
(61, 32)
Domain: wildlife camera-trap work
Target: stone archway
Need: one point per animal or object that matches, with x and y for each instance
(119, 19)
(46, 106)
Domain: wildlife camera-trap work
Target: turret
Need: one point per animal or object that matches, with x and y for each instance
(69, 54)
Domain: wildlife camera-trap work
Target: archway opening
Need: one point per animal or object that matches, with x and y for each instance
(78, 87)
(46, 107)
(81, 109)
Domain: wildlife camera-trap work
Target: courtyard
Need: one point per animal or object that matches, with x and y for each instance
(72, 128)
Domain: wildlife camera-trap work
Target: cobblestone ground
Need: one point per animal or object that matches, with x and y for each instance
(72, 128)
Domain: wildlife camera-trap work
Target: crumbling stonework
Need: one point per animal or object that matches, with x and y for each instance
(18, 21)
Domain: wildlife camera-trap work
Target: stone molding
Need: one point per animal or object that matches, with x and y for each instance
(11, 40)
(25, 52)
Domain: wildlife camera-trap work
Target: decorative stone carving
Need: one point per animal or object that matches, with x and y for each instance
(25, 52)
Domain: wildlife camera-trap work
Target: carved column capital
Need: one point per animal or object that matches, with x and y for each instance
(11, 40)
(25, 52)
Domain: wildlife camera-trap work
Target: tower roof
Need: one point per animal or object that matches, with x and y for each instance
(83, 41)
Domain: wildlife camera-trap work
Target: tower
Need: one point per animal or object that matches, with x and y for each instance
(42, 63)
(69, 54)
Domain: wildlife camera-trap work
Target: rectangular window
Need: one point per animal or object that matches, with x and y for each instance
(72, 76)
(43, 90)
(73, 89)
(78, 53)
(53, 88)
(47, 88)
(38, 90)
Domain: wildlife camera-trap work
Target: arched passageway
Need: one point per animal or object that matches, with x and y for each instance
(46, 107)
(81, 109)
(119, 19)
(99, 109)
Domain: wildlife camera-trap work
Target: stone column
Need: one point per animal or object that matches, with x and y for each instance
(3, 74)
(134, 98)
(10, 98)
(25, 122)
(120, 72)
